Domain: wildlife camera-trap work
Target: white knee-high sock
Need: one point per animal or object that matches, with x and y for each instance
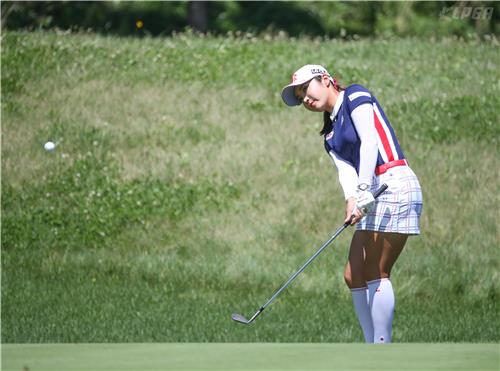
(382, 309)
(362, 308)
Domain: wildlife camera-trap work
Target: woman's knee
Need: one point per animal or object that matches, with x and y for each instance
(348, 276)
(374, 270)
(375, 274)
(354, 278)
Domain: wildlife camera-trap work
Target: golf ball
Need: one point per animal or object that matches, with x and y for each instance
(49, 146)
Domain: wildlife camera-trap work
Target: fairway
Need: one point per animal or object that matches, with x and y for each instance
(250, 356)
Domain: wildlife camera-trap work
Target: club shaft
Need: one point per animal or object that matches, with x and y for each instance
(376, 194)
(293, 276)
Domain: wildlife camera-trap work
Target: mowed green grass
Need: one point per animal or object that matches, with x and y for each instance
(250, 356)
(183, 190)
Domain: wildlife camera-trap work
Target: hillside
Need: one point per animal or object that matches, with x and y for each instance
(182, 189)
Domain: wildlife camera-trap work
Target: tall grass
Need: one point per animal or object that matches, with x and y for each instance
(182, 189)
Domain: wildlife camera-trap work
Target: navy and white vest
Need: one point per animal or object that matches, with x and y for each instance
(344, 140)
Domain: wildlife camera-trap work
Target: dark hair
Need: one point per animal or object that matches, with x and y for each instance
(327, 123)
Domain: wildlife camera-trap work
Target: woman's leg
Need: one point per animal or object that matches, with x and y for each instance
(354, 270)
(355, 280)
(371, 258)
(381, 252)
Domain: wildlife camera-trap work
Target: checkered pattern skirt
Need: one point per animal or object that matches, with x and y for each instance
(398, 209)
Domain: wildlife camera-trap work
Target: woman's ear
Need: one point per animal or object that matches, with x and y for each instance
(326, 80)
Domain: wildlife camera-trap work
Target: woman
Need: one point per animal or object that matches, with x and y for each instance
(365, 150)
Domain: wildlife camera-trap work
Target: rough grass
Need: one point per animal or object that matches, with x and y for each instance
(182, 189)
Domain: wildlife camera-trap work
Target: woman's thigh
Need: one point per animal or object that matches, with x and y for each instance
(372, 256)
(353, 273)
(381, 252)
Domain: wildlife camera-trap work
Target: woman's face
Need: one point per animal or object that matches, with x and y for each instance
(314, 94)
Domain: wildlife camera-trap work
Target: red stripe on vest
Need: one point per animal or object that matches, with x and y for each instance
(383, 138)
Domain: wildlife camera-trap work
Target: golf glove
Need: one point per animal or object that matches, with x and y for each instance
(365, 202)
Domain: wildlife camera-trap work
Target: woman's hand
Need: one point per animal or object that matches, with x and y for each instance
(352, 213)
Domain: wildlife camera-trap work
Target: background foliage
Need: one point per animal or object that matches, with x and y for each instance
(321, 18)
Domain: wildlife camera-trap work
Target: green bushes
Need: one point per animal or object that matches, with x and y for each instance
(301, 18)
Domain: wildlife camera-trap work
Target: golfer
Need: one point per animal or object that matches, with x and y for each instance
(363, 145)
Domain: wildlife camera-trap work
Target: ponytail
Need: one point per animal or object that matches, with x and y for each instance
(327, 124)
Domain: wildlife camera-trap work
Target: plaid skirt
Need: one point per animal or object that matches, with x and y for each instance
(398, 209)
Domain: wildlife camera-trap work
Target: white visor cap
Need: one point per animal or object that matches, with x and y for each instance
(301, 76)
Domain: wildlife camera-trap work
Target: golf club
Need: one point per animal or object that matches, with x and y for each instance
(242, 319)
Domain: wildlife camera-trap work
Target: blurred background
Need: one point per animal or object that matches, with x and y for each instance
(330, 19)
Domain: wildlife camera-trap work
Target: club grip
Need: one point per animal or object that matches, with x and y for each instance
(381, 190)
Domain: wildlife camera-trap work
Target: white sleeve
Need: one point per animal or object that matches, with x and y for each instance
(363, 120)
(348, 177)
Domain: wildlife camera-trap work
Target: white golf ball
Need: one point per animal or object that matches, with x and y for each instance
(49, 146)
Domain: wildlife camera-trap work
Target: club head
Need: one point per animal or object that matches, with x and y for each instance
(239, 318)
